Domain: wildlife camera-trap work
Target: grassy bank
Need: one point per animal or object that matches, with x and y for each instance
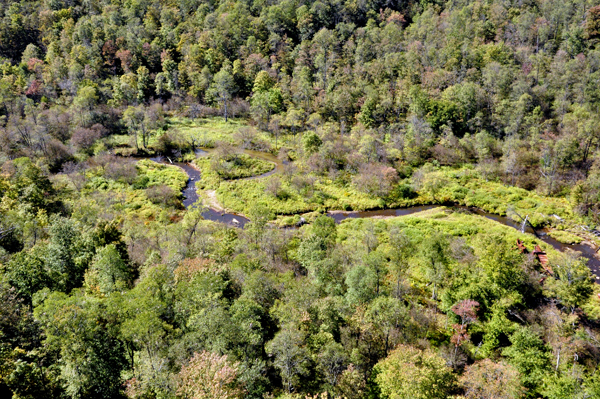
(465, 186)
(206, 132)
(284, 197)
(443, 221)
(143, 191)
(240, 166)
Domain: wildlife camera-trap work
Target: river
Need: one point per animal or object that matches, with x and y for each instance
(190, 197)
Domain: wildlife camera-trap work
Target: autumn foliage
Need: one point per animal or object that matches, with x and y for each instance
(209, 376)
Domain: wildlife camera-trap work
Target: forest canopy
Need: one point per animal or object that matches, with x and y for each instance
(182, 181)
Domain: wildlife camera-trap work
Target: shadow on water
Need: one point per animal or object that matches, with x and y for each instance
(190, 197)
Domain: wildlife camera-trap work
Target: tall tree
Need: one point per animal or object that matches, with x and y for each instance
(224, 86)
(291, 358)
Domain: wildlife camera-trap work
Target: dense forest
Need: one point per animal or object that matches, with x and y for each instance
(185, 188)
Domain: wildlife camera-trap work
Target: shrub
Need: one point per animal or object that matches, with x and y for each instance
(162, 194)
(375, 179)
(83, 139)
(121, 170)
(311, 142)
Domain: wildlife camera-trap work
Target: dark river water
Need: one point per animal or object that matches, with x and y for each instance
(190, 197)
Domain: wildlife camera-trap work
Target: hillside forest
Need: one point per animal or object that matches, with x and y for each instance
(300, 199)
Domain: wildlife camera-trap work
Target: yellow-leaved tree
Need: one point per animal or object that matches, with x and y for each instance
(412, 373)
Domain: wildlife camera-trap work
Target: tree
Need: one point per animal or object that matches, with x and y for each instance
(144, 313)
(142, 120)
(332, 362)
(411, 373)
(134, 120)
(209, 376)
(566, 387)
(434, 254)
(389, 317)
(467, 311)
(402, 248)
(592, 23)
(84, 332)
(108, 271)
(529, 354)
(266, 98)
(351, 384)
(84, 102)
(362, 285)
(311, 142)
(488, 380)
(314, 254)
(224, 86)
(143, 83)
(259, 215)
(572, 282)
(290, 356)
(67, 255)
(27, 273)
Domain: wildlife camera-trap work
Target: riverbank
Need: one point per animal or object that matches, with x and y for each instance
(217, 212)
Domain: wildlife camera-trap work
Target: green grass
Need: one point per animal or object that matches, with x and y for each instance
(442, 220)
(466, 187)
(130, 201)
(157, 173)
(206, 131)
(241, 166)
(210, 179)
(565, 237)
(324, 194)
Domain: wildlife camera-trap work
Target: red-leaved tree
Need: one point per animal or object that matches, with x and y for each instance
(467, 311)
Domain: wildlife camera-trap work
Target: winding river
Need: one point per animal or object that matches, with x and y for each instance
(190, 196)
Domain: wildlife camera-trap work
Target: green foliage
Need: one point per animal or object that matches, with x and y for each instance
(82, 331)
(108, 271)
(366, 105)
(412, 373)
(311, 142)
(572, 283)
(529, 355)
(66, 255)
(290, 357)
(28, 186)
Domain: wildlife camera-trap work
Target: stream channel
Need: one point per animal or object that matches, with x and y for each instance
(190, 196)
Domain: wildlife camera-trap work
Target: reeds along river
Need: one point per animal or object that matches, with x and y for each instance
(190, 197)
